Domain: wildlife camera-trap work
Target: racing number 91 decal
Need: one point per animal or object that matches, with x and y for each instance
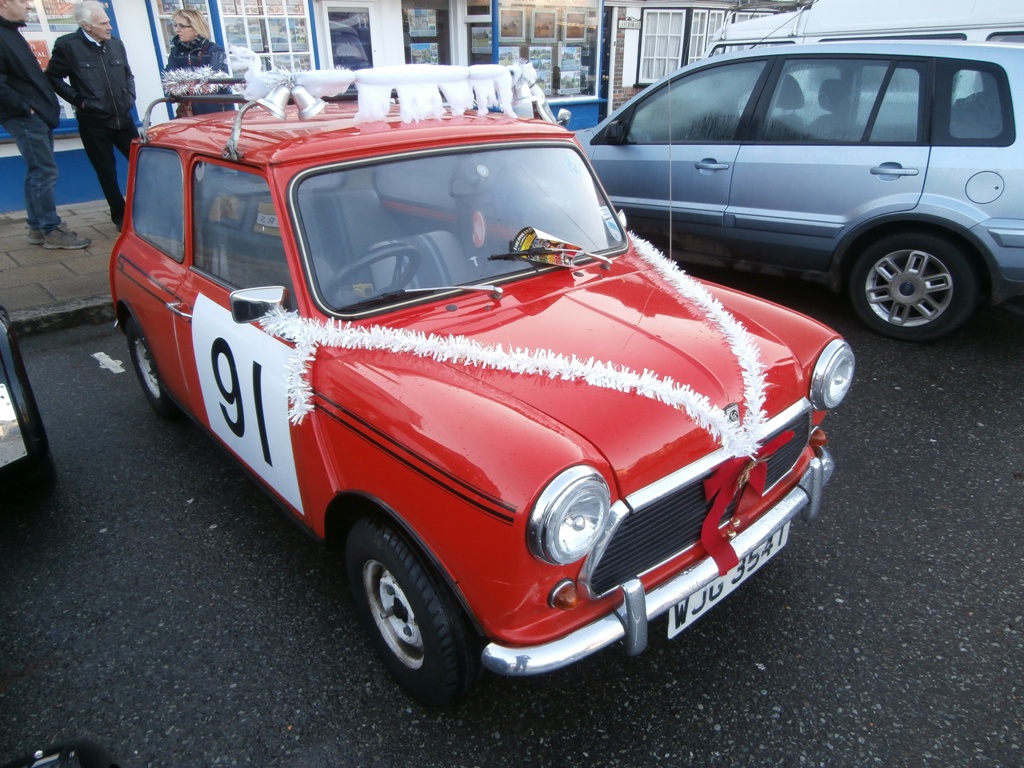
(242, 377)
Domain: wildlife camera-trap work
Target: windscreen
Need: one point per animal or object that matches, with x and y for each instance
(370, 231)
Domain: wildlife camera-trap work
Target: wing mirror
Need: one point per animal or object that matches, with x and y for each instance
(615, 133)
(250, 304)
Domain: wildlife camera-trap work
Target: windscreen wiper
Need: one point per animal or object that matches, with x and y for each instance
(496, 292)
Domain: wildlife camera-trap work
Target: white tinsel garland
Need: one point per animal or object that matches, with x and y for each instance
(740, 341)
(192, 82)
(738, 439)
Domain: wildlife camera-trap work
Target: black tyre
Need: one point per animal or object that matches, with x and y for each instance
(416, 627)
(913, 286)
(145, 369)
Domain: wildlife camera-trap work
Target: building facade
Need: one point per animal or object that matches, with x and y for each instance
(590, 55)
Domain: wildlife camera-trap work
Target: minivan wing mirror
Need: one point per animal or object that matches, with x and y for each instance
(615, 133)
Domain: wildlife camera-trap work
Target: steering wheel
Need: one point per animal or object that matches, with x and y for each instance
(407, 262)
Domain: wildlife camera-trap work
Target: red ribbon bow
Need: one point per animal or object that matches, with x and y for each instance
(728, 482)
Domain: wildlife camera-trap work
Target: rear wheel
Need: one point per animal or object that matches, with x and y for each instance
(145, 369)
(913, 286)
(416, 627)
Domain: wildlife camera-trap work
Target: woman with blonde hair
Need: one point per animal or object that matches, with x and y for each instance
(192, 48)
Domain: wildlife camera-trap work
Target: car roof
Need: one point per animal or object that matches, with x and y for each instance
(334, 134)
(1009, 53)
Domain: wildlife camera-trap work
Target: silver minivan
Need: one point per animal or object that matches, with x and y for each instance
(890, 170)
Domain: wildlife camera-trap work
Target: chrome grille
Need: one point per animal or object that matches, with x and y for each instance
(665, 526)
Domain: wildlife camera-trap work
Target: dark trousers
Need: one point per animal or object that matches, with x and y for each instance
(99, 143)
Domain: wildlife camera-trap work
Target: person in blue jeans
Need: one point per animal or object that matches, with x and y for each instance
(29, 112)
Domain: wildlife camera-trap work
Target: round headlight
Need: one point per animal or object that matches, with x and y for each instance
(833, 375)
(569, 516)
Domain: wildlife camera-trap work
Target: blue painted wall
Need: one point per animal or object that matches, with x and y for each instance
(76, 184)
(585, 114)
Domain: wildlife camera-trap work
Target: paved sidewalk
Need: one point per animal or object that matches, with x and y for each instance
(50, 289)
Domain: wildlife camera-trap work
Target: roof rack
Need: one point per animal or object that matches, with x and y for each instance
(277, 109)
(420, 88)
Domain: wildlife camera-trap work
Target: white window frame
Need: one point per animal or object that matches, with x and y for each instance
(661, 48)
(704, 25)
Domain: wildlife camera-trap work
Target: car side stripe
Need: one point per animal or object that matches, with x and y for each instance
(144, 280)
(487, 503)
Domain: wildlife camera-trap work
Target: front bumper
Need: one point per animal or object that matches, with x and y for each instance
(631, 619)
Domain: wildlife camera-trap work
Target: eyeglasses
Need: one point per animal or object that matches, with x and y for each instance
(182, 26)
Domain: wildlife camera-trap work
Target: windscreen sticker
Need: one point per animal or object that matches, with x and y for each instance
(242, 373)
(611, 223)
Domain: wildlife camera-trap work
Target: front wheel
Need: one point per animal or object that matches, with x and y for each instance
(145, 369)
(915, 287)
(417, 629)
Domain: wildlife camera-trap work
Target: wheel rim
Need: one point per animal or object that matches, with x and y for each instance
(392, 614)
(146, 368)
(909, 288)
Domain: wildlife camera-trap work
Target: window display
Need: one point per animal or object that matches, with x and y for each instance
(277, 30)
(560, 40)
(427, 31)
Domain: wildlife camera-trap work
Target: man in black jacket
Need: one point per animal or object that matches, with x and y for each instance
(29, 111)
(102, 91)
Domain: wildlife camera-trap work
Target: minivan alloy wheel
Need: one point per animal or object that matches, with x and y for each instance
(914, 287)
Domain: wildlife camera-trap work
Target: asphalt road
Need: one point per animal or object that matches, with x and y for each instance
(156, 602)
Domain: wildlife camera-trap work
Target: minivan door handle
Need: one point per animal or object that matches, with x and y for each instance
(710, 164)
(893, 169)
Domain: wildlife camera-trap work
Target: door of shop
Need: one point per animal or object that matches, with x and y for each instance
(351, 31)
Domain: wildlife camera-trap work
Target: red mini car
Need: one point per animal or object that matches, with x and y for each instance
(435, 343)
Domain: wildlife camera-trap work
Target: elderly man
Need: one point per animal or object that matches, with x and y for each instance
(102, 91)
(29, 112)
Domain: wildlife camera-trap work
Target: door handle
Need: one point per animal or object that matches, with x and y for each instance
(893, 169)
(180, 309)
(710, 164)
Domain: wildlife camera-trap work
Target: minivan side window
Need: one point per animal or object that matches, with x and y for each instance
(702, 107)
(900, 117)
(972, 106)
(159, 201)
(845, 101)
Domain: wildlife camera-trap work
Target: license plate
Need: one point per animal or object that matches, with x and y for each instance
(691, 608)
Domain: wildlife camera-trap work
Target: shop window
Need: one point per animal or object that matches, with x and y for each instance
(278, 31)
(560, 40)
(479, 34)
(427, 31)
(350, 37)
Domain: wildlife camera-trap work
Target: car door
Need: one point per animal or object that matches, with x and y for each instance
(834, 142)
(667, 160)
(974, 162)
(238, 370)
(151, 266)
